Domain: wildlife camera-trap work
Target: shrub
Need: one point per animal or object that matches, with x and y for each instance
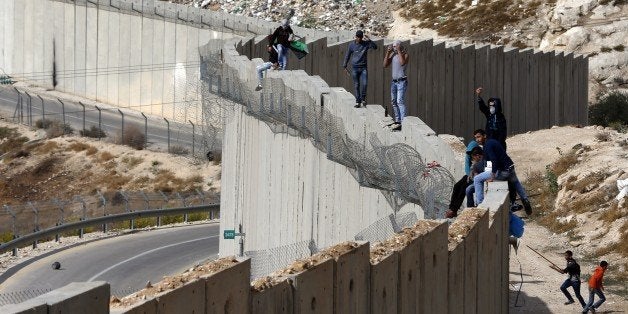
(54, 128)
(133, 137)
(178, 150)
(610, 109)
(12, 143)
(603, 136)
(93, 132)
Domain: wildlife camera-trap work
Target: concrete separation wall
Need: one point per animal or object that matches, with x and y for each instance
(273, 178)
(417, 276)
(536, 87)
(76, 297)
(141, 55)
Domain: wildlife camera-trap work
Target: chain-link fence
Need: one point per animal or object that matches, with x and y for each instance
(22, 219)
(397, 168)
(15, 297)
(264, 262)
(129, 127)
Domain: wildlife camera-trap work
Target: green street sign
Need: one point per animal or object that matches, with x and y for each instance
(229, 234)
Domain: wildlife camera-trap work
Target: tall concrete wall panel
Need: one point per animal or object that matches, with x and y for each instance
(135, 61)
(80, 49)
(68, 48)
(29, 39)
(91, 52)
(19, 21)
(113, 57)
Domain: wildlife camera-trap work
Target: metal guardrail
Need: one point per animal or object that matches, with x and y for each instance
(29, 238)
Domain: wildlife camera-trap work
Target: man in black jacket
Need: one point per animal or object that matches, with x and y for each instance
(573, 269)
(281, 38)
(496, 127)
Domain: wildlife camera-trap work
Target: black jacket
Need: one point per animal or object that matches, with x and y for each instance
(280, 36)
(495, 123)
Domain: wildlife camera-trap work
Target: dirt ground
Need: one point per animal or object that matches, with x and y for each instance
(540, 291)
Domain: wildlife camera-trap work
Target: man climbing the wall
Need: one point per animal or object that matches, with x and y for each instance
(397, 58)
(357, 54)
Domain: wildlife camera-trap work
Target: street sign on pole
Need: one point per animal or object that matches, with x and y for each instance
(229, 234)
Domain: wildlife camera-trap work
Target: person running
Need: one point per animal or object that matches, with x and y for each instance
(573, 280)
(281, 38)
(357, 54)
(503, 169)
(398, 58)
(596, 287)
(273, 62)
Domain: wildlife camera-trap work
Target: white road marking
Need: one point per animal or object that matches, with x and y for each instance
(145, 253)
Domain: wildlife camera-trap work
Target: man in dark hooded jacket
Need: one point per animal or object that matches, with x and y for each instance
(495, 121)
(280, 39)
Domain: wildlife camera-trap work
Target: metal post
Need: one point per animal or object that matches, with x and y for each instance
(84, 208)
(29, 109)
(104, 206)
(241, 240)
(168, 131)
(62, 109)
(7, 208)
(145, 129)
(122, 130)
(193, 132)
(99, 121)
(62, 220)
(18, 106)
(36, 222)
(83, 105)
(43, 110)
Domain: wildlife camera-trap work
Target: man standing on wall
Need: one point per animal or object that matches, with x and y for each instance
(281, 38)
(398, 57)
(357, 53)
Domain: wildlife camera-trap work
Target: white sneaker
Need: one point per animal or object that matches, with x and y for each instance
(258, 88)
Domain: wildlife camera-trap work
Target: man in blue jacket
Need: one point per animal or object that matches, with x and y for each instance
(503, 169)
(357, 54)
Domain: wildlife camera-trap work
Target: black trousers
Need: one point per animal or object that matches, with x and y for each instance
(458, 194)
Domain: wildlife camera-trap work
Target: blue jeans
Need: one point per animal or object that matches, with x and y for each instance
(599, 302)
(398, 97)
(360, 79)
(576, 289)
(502, 175)
(282, 52)
(261, 69)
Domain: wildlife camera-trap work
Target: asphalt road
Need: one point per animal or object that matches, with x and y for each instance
(110, 119)
(126, 262)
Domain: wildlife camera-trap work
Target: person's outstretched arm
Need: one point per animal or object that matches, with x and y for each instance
(483, 107)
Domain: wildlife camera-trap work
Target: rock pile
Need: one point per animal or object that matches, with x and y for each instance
(374, 17)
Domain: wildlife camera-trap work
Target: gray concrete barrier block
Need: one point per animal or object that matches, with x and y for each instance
(160, 8)
(33, 306)
(228, 291)
(148, 7)
(313, 289)
(276, 299)
(145, 307)
(384, 281)
(455, 279)
(79, 297)
(487, 264)
(471, 270)
(170, 11)
(189, 298)
(433, 277)
(351, 281)
(409, 280)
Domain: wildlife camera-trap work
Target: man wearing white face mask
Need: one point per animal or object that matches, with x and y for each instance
(495, 121)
